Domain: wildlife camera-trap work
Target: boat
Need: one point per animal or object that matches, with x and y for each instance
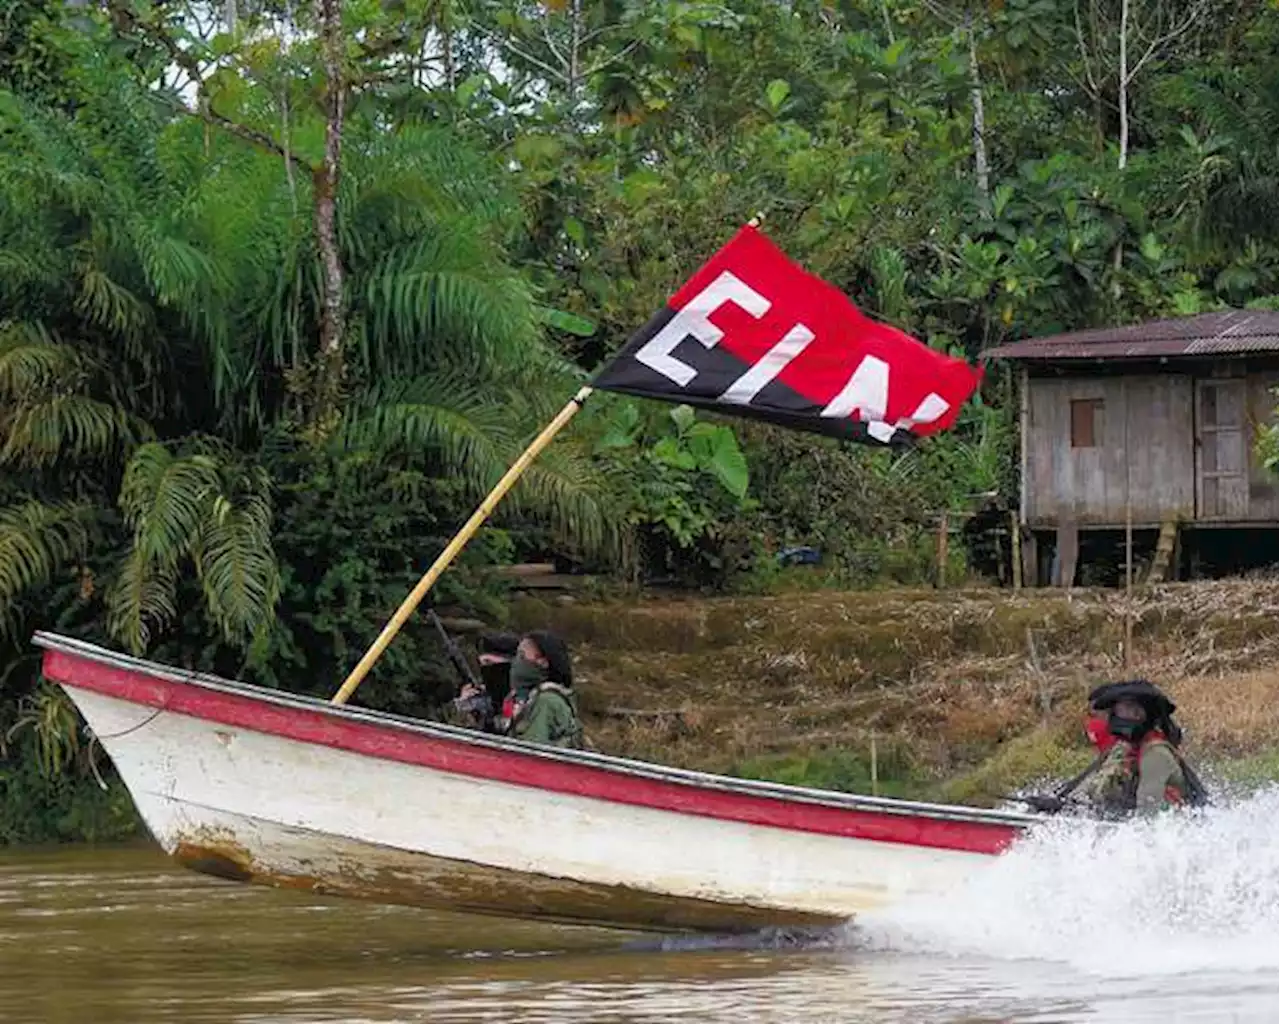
(257, 785)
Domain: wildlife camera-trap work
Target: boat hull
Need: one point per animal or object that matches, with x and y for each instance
(263, 787)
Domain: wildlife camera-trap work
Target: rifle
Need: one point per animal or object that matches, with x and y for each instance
(1052, 803)
(478, 707)
(456, 657)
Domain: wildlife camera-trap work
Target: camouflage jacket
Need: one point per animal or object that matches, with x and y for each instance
(549, 716)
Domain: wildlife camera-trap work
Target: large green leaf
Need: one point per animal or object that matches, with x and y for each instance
(669, 452)
(683, 417)
(776, 93)
(570, 323)
(621, 429)
(716, 450)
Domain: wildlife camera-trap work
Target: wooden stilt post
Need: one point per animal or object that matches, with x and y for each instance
(1031, 560)
(1015, 549)
(1068, 555)
(456, 545)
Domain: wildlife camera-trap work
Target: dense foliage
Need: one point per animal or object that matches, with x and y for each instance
(283, 288)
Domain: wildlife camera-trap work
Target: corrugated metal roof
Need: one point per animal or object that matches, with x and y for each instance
(1207, 334)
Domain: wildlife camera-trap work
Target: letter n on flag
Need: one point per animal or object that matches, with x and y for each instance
(752, 334)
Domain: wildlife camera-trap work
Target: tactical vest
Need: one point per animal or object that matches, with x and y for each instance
(1114, 786)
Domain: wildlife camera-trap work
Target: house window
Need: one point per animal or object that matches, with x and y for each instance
(1086, 422)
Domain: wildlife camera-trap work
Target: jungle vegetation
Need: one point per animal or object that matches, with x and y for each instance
(286, 284)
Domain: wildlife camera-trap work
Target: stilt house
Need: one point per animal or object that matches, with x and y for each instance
(1149, 427)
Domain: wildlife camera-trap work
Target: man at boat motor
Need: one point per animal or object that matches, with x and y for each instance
(542, 705)
(1139, 768)
(1143, 771)
(1098, 733)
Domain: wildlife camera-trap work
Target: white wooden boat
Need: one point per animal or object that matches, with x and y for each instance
(261, 786)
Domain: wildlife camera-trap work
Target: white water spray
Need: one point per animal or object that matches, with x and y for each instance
(1197, 892)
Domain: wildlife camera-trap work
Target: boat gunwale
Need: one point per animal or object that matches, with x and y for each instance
(587, 758)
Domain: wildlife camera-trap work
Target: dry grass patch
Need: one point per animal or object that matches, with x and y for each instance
(1230, 714)
(951, 675)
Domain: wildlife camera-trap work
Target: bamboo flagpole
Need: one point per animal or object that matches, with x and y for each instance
(454, 546)
(473, 524)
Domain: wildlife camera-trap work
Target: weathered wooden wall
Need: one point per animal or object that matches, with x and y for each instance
(1179, 444)
(1088, 485)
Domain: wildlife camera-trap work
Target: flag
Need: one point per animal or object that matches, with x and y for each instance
(753, 334)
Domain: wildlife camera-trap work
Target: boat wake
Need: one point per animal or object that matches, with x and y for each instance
(1196, 892)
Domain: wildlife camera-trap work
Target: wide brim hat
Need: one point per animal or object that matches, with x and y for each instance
(1148, 694)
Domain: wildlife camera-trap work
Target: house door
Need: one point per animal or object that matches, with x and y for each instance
(1222, 463)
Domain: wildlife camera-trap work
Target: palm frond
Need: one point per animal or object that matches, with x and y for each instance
(565, 487)
(142, 600)
(445, 418)
(421, 172)
(166, 499)
(475, 433)
(177, 272)
(31, 359)
(41, 432)
(444, 293)
(36, 540)
(1243, 206)
(207, 508)
(236, 562)
(54, 725)
(45, 156)
(29, 266)
(111, 305)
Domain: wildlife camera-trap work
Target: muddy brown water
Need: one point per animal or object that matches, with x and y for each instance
(123, 936)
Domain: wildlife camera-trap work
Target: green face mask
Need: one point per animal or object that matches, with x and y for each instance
(526, 674)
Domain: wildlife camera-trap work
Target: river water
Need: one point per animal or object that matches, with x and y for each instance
(1178, 920)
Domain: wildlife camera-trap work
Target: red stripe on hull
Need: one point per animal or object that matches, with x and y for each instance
(391, 743)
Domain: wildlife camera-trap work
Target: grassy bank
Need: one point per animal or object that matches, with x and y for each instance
(966, 694)
(962, 695)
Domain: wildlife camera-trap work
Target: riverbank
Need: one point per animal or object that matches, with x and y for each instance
(963, 695)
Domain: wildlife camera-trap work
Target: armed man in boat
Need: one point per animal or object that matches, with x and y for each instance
(542, 707)
(535, 671)
(1139, 768)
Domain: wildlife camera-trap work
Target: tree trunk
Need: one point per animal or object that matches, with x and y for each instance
(980, 167)
(328, 380)
(446, 38)
(1123, 96)
(575, 59)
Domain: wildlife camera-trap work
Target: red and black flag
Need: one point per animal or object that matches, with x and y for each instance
(752, 334)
